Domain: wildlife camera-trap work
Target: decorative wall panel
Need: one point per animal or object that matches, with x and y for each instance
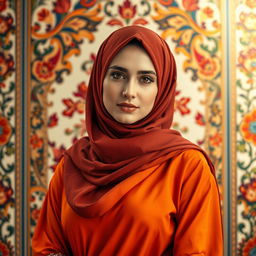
(65, 36)
(245, 126)
(7, 128)
(62, 39)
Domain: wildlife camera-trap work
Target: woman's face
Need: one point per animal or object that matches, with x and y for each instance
(130, 85)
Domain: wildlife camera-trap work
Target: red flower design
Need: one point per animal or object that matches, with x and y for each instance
(2, 5)
(249, 191)
(248, 127)
(43, 14)
(36, 142)
(216, 139)
(207, 66)
(250, 247)
(5, 194)
(5, 130)
(35, 214)
(88, 3)
(181, 105)
(6, 64)
(190, 5)
(127, 10)
(45, 70)
(5, 24)
(73, 107)
(4, 250)
(208, 11)
(62, 6)
(200, 119)
(53, 120)
(81, 90)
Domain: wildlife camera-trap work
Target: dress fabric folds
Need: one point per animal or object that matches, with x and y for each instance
(174, 210)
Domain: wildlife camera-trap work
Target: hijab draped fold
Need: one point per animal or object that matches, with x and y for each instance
(96, 167)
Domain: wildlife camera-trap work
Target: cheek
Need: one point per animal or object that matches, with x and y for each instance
(149, 97)
(110, 93)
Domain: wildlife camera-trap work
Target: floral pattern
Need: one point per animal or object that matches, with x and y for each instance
(3, 5)
(249, 191)
(187, 29)
(247, 61)
(5, 194)
(190, 5)
(62, 6)
(127, 12)
(5, 130)
(4, 250)
(6, 66)
(6, 24)
(7, 127)
(248, 127)
(58, 102)
(247, 247)
(181, 104)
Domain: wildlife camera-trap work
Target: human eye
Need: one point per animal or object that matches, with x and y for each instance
(116, 75)
(147, 79)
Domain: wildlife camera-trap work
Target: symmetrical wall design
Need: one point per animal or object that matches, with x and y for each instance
(63, 39)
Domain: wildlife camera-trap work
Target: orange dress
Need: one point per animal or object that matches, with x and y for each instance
(175, 210)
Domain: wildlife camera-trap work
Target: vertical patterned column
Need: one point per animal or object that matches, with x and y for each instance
(7, 127)
(244, 126)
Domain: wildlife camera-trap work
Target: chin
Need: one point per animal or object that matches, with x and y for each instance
(126, 120)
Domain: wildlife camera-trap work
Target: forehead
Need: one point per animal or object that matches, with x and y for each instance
(133, 56)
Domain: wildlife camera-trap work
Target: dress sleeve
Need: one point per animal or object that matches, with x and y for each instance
(199, 223)
(49, 237)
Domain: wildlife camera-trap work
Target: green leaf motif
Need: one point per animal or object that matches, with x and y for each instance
(241, 226)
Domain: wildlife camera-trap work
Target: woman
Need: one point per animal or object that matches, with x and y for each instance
(133, 186)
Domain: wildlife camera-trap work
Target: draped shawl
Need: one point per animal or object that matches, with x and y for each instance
(97, 166)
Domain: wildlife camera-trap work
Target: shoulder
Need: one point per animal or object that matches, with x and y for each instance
(192, 163)
(192, 155)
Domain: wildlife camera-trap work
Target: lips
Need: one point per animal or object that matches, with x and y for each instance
(127, 107)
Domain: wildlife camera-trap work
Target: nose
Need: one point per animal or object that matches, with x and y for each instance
(129, 90)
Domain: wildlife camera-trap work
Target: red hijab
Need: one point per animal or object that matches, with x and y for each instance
(96, 166)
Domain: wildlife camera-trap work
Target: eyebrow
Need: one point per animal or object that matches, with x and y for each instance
(144, 72)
